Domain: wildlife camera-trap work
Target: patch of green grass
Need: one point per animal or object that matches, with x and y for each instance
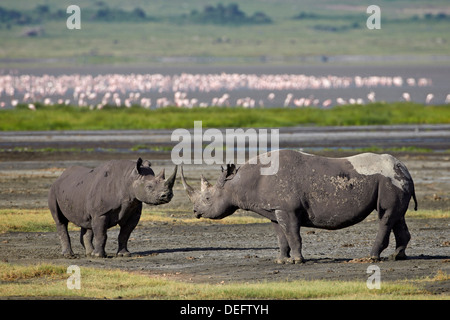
(46, 280)
(428, 214)
(138, 147)
(40, 220)
(26, 220)
(73, 118)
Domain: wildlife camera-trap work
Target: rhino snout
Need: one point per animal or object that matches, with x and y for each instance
(197, 215)
(166, 197)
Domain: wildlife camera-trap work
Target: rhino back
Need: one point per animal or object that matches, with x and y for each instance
(329, 192)
(83, 192)
(110, 186)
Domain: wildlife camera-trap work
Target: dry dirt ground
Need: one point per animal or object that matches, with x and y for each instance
(238, 252)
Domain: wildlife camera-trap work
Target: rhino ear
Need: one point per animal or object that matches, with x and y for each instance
(138, 165)
(147, 163)
(227, 174)
(231, 171)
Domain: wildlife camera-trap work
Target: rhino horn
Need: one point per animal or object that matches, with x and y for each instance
(170, 182)
(161, 175)
(190, 191)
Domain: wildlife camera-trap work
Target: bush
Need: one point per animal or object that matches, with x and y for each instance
(230, 14)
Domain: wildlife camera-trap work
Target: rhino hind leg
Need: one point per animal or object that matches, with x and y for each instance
(387, 221)
(402, 237)
(63, 234)
(86, 236)
(61, 228)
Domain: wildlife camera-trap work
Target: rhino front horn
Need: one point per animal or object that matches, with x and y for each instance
(190, 191)
(171, 181)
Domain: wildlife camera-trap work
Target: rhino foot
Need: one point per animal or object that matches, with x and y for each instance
(289, 260)
(124, 253)
(281, 260)
(298, 260)
(68, 254)
(98, 254)
(398, 256)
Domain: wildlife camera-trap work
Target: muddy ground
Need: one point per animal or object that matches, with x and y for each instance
(218, 253)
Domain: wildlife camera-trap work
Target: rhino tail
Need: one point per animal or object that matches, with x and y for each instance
(415, 200)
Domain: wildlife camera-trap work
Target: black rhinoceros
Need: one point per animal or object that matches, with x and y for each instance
(314, 191)
(100, 198)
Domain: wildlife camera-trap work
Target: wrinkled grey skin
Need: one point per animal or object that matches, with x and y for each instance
(100, 198)
(313, 191)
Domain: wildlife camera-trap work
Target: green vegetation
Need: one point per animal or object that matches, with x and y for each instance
(40, 220)
(101, 12)
(27, 281)
(117, 32)
(225, 15)
(74, 118)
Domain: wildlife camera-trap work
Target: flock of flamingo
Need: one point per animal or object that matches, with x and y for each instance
(158, 91)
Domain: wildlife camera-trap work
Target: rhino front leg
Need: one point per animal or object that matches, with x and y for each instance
(86, 236)
(282, 243)
(125, 231)
(99, 228)
(290, 226)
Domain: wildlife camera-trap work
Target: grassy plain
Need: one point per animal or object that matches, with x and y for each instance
(48, 280)
(40, 220)
(73, 118)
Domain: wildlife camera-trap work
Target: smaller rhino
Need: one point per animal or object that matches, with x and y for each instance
(100, 198)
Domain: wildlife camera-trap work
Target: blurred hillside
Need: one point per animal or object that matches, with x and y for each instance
(231, 32)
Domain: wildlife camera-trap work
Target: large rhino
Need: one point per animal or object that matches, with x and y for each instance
(100, 198)
(314, 191)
